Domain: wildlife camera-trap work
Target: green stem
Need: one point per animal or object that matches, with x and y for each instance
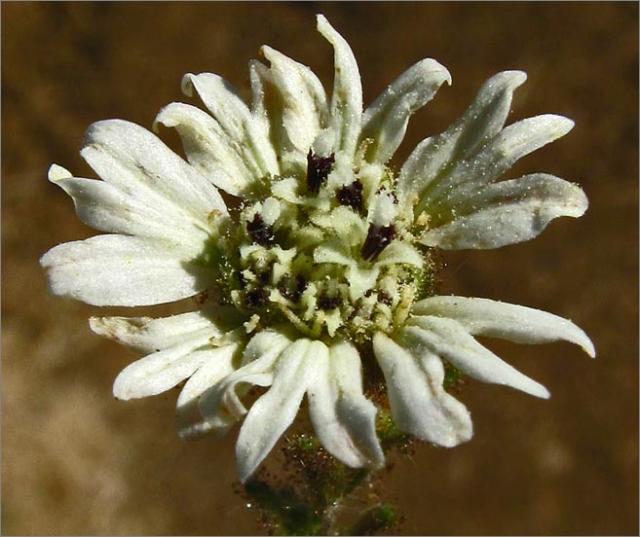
(315, 494)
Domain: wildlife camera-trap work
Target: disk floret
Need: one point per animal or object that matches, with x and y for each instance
(329, 251)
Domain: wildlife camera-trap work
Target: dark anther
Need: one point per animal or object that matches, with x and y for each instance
(384, 298)
(301, 284)
(326, 302)
(377, 240)
(256, 297)
(260, 232)
(242, 281)
(318, 169)
(292, 289)
(351, 196)
(264, 277)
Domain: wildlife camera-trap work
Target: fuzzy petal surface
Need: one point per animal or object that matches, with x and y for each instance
(296, 106)
(346, 101)
(258, 361)
(448, 338)
(385, 120)
(342, 417)
(484, 317)
(190, 423)
(208, 148)
(498, 155)
(138, 162)
(419, 404)
(109, 207)
(118, 270)
(508, 212)
(162, 370)
(485, 117)
(274, 411)
(246, 135)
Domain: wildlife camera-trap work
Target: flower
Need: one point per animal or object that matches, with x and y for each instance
(317, 257)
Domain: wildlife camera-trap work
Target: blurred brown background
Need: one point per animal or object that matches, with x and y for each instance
(74, 460)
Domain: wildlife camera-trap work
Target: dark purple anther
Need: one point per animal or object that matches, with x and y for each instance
(326, 302)
(260, 232)
(318, 169)
(256, 297)
(351, 196)
(264, 277)
(293, 289)
(377, 240)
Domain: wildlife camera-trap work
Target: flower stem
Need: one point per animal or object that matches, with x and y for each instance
(314, 494)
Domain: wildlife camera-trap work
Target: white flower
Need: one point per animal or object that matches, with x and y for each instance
(322, 260)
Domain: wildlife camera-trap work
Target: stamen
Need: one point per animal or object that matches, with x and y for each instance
(260, 232)
(256, 297)
(351, 196)
(292, 289)
(326, 302)
(378, 238)
(264, 277)
(318, 169)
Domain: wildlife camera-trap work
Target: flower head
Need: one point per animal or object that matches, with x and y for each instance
(318, 255)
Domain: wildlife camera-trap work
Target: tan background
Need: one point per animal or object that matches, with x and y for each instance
(76, 461)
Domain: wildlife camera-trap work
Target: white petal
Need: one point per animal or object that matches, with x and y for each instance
(504, 213)
(189, 421)
(116, 270)
(258, 98)
(482, 120)
(218, 365)
(104, 206)
(332, 253)
(274, 411)
(361, 279)
(264, 343)
(222, 100)
(138, 163)
(342, 417)
(299, 110)
(191, 425)
(257, 369)
(518, 140)
(245, 133)
(498, 155)
(419, 404)
(161, 370)
(385, 121)
(207, 147)
(449, 339)
(480, 316)
(346, 228)
(346, 101)
(147, 334)
(399, 252)
(291, 160)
